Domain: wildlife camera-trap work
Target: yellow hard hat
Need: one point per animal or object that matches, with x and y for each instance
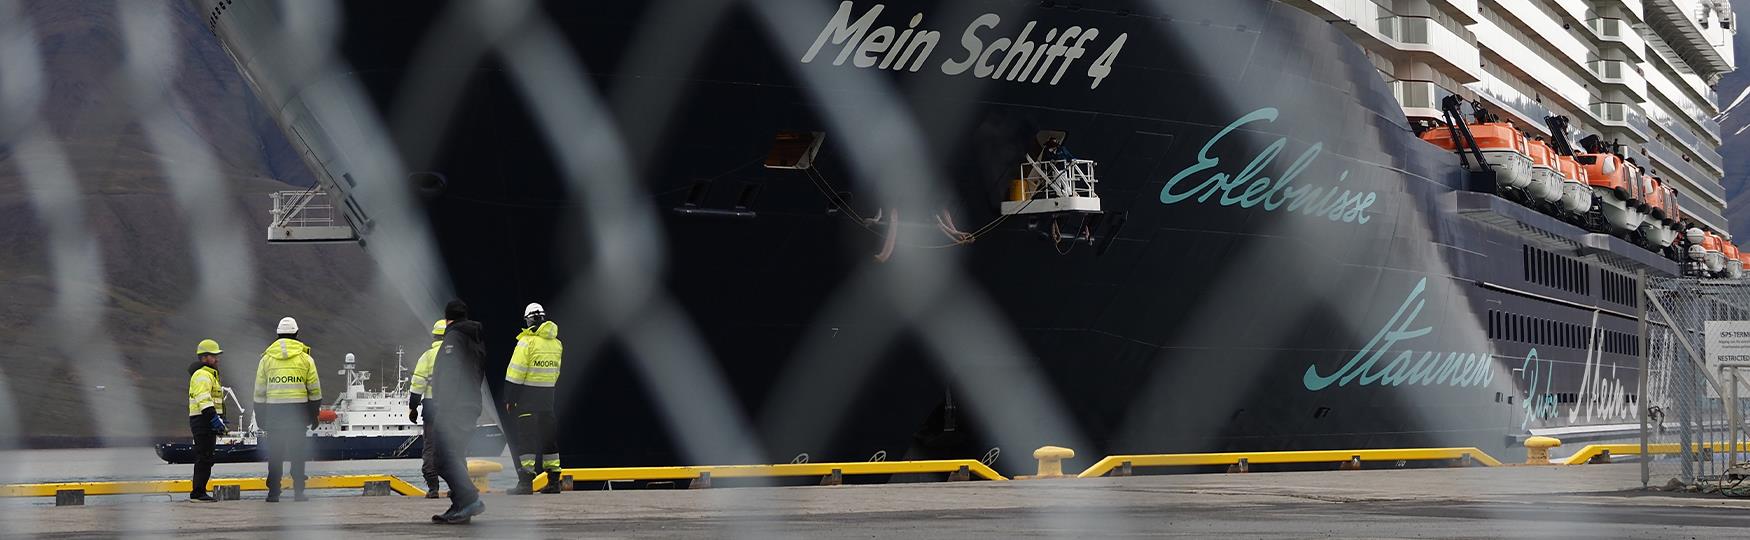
(208, 346)
(438, 329)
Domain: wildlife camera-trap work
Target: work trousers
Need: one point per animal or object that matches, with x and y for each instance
(204, 439)
(428, 455)
(285, 441)
(452, 431)
(537, 445)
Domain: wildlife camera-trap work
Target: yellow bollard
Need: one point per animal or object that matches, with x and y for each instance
(1537, 449)
(1051, 460)
(477, 471)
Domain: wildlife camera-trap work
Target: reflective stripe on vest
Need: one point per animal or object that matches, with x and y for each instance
(204, 391)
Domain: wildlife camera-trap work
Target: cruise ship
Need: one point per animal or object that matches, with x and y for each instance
(793, 230)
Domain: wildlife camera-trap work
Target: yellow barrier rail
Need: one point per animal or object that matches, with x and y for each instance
(972, 468)
(131, 487)
(1244, 459)
(1591, 451)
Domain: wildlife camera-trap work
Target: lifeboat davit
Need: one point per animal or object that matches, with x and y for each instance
(1734, 264)
(1608, 175)
(1636, 193)
(1502, 145)
(1672, 209)
(1659, 228)
(1576, 196)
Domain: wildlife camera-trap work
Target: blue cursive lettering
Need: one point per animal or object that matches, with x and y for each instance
(1454, 369)
(1251, 186)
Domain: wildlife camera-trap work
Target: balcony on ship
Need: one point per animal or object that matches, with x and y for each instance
(1695, 31)
(1618, 31)
(1622, 115)
(1420, 99)
(1667, 159)
(1524, 111)
(1552, 83)
(1701, 212)
(1619, 75)
(1681, 137)
(1688, 121)
(1417, 38)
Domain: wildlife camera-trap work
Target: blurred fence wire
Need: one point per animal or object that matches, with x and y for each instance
(1690, 403)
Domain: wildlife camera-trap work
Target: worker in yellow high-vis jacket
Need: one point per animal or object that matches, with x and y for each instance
(420, 394)
(528, 389)
(288, 398)
(206, 414)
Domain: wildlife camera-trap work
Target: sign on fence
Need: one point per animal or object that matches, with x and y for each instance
(1725, 341)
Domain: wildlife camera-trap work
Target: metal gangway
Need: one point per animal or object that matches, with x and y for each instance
(1054, 186)
(306, 216)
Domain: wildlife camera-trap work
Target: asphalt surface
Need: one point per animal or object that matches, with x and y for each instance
(1593, 501)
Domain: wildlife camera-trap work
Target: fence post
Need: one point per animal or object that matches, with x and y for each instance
(1686, 403)
(1732, 417)
(1646, 373)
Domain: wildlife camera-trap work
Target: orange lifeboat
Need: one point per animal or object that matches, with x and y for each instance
(1546, 178)
(1576, 195)
(1502, 145)
(1734, 264)
(1657, 228)
(1608, 175)
(1716, 256)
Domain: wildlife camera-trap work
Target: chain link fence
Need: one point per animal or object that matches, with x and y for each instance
(1688, 409)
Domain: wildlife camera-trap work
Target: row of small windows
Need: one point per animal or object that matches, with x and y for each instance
(1515, 327)
(1621, 342)
(1537, 331)
(1618, 288)
(1574, 397)
(1557, 272)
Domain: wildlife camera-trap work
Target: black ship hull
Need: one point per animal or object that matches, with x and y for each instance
(1280, 263)
(488, 441)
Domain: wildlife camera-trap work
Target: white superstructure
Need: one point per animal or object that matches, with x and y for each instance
(1640, 72)
(368, 413)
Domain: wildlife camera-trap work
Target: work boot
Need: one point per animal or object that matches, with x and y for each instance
(463, 515)
(273, 496)
(201, 498)
(525, 483)
(431, 491)
(440, 518)
(298, 496)
(554, 478)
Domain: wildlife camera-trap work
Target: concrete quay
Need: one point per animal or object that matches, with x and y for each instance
(1593, 501)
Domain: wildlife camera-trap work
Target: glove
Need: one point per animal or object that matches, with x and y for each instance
(413, 415)
(218, 424)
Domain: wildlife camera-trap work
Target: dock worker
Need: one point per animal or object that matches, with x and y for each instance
(288, 398)
(457, 376)
(419, 393)
(528, 394)
(206, 414)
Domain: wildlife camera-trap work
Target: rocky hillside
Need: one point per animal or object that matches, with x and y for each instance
(145, 244)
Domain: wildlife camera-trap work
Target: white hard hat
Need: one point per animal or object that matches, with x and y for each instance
(287, 325)
(349, 358)
(533, 309)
